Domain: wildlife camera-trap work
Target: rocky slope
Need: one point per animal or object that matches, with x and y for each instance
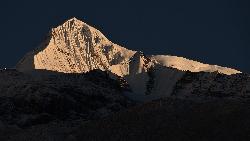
(166, 119)
(26, 100)
(174, 120)
(207, 85)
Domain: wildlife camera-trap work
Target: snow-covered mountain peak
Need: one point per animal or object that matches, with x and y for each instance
(74, 29)
(76, 47)
(73, 20)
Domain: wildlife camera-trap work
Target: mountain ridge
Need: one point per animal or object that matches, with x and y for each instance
(76, 47)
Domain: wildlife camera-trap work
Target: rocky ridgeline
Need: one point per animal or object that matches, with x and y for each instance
(215, 84)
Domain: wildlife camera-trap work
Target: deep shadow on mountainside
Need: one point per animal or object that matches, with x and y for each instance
(174, 120)
(45, 97)
(48, 105)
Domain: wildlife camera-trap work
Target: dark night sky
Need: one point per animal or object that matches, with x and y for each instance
(211, 31)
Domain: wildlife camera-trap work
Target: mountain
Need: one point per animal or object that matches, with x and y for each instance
(150, 80)
(76, 47)
(78, 85)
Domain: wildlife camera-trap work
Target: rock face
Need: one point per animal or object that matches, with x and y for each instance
(204, 84)
(140, 63)
(75, 47)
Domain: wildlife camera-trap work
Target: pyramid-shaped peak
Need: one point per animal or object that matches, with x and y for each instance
(76, 25)
(73, 26)
(76, 47)
(74, 20)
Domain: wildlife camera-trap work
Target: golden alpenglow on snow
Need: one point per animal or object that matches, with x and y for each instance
(184, 64)
(75, 47)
